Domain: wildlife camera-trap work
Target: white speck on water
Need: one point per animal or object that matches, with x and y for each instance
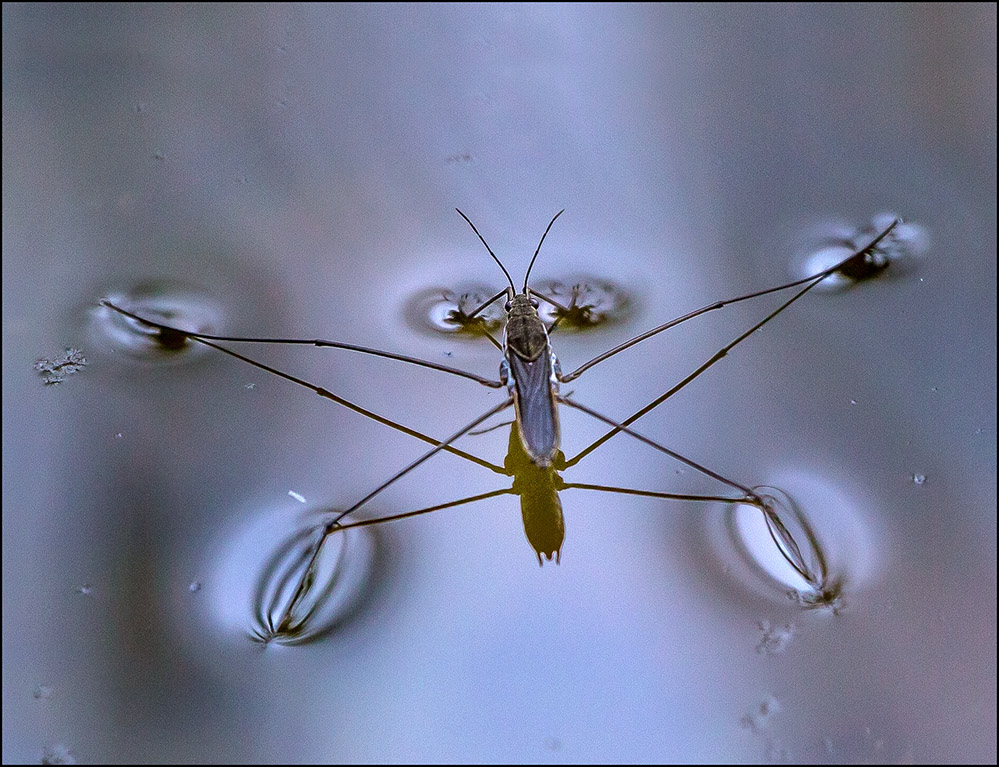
(42, 692)
(249, 386)
(118, 435)
(853, 402)
(57, 753)
(298, 497)
(84, 589)
(919, 479)
(194, 587)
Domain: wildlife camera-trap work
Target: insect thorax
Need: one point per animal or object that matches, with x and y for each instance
(526, 335)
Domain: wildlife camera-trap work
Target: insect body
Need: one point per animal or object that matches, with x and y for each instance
(530, 370)
(531, 373)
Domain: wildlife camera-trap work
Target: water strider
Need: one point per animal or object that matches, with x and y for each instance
(531, 374)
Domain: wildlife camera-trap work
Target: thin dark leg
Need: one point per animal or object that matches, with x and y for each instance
(720, 354)
(719, 304)
(306, 342)
(331, 527)
(620, 427)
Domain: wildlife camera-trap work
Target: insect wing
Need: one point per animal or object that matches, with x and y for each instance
(535, 401)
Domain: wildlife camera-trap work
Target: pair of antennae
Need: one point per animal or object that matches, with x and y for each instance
(535, 258)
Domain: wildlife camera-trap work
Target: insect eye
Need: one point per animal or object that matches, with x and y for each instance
(534, 303)
(507, 307)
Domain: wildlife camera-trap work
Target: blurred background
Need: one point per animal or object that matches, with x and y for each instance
(292, 170)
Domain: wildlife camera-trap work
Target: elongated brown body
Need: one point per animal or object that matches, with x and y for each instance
(530, 370)
(538, 488)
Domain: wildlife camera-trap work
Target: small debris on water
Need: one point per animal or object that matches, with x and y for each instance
(775, 639)
(919, 479)
(55, 371)
(57, 754)
(297, 496)
(42, 692)
(759, 718)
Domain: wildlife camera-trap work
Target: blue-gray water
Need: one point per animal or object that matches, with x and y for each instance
(296, 168)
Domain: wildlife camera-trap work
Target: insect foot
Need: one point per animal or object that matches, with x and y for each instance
(312, 583)
(800, 548)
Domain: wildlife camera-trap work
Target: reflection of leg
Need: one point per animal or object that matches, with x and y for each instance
(749, 495)
(418, 512)
(293, 619)
(656, 494)
(307, 579)
(777, 522)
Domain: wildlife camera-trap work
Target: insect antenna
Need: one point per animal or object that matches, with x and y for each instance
(531, 266)
(508, 277)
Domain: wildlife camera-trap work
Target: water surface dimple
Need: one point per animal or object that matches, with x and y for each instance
(766, 542)
(576, 304)
(585, 302)
(452, 311)
(57, 753)
(273, 586)
(830, 245)
(805, 544)
(169, 309)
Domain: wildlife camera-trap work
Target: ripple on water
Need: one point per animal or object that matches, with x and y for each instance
(806, 544)
(270, 587)
(163, 303)
(828, 245)
(450, 311)
(583, 302)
